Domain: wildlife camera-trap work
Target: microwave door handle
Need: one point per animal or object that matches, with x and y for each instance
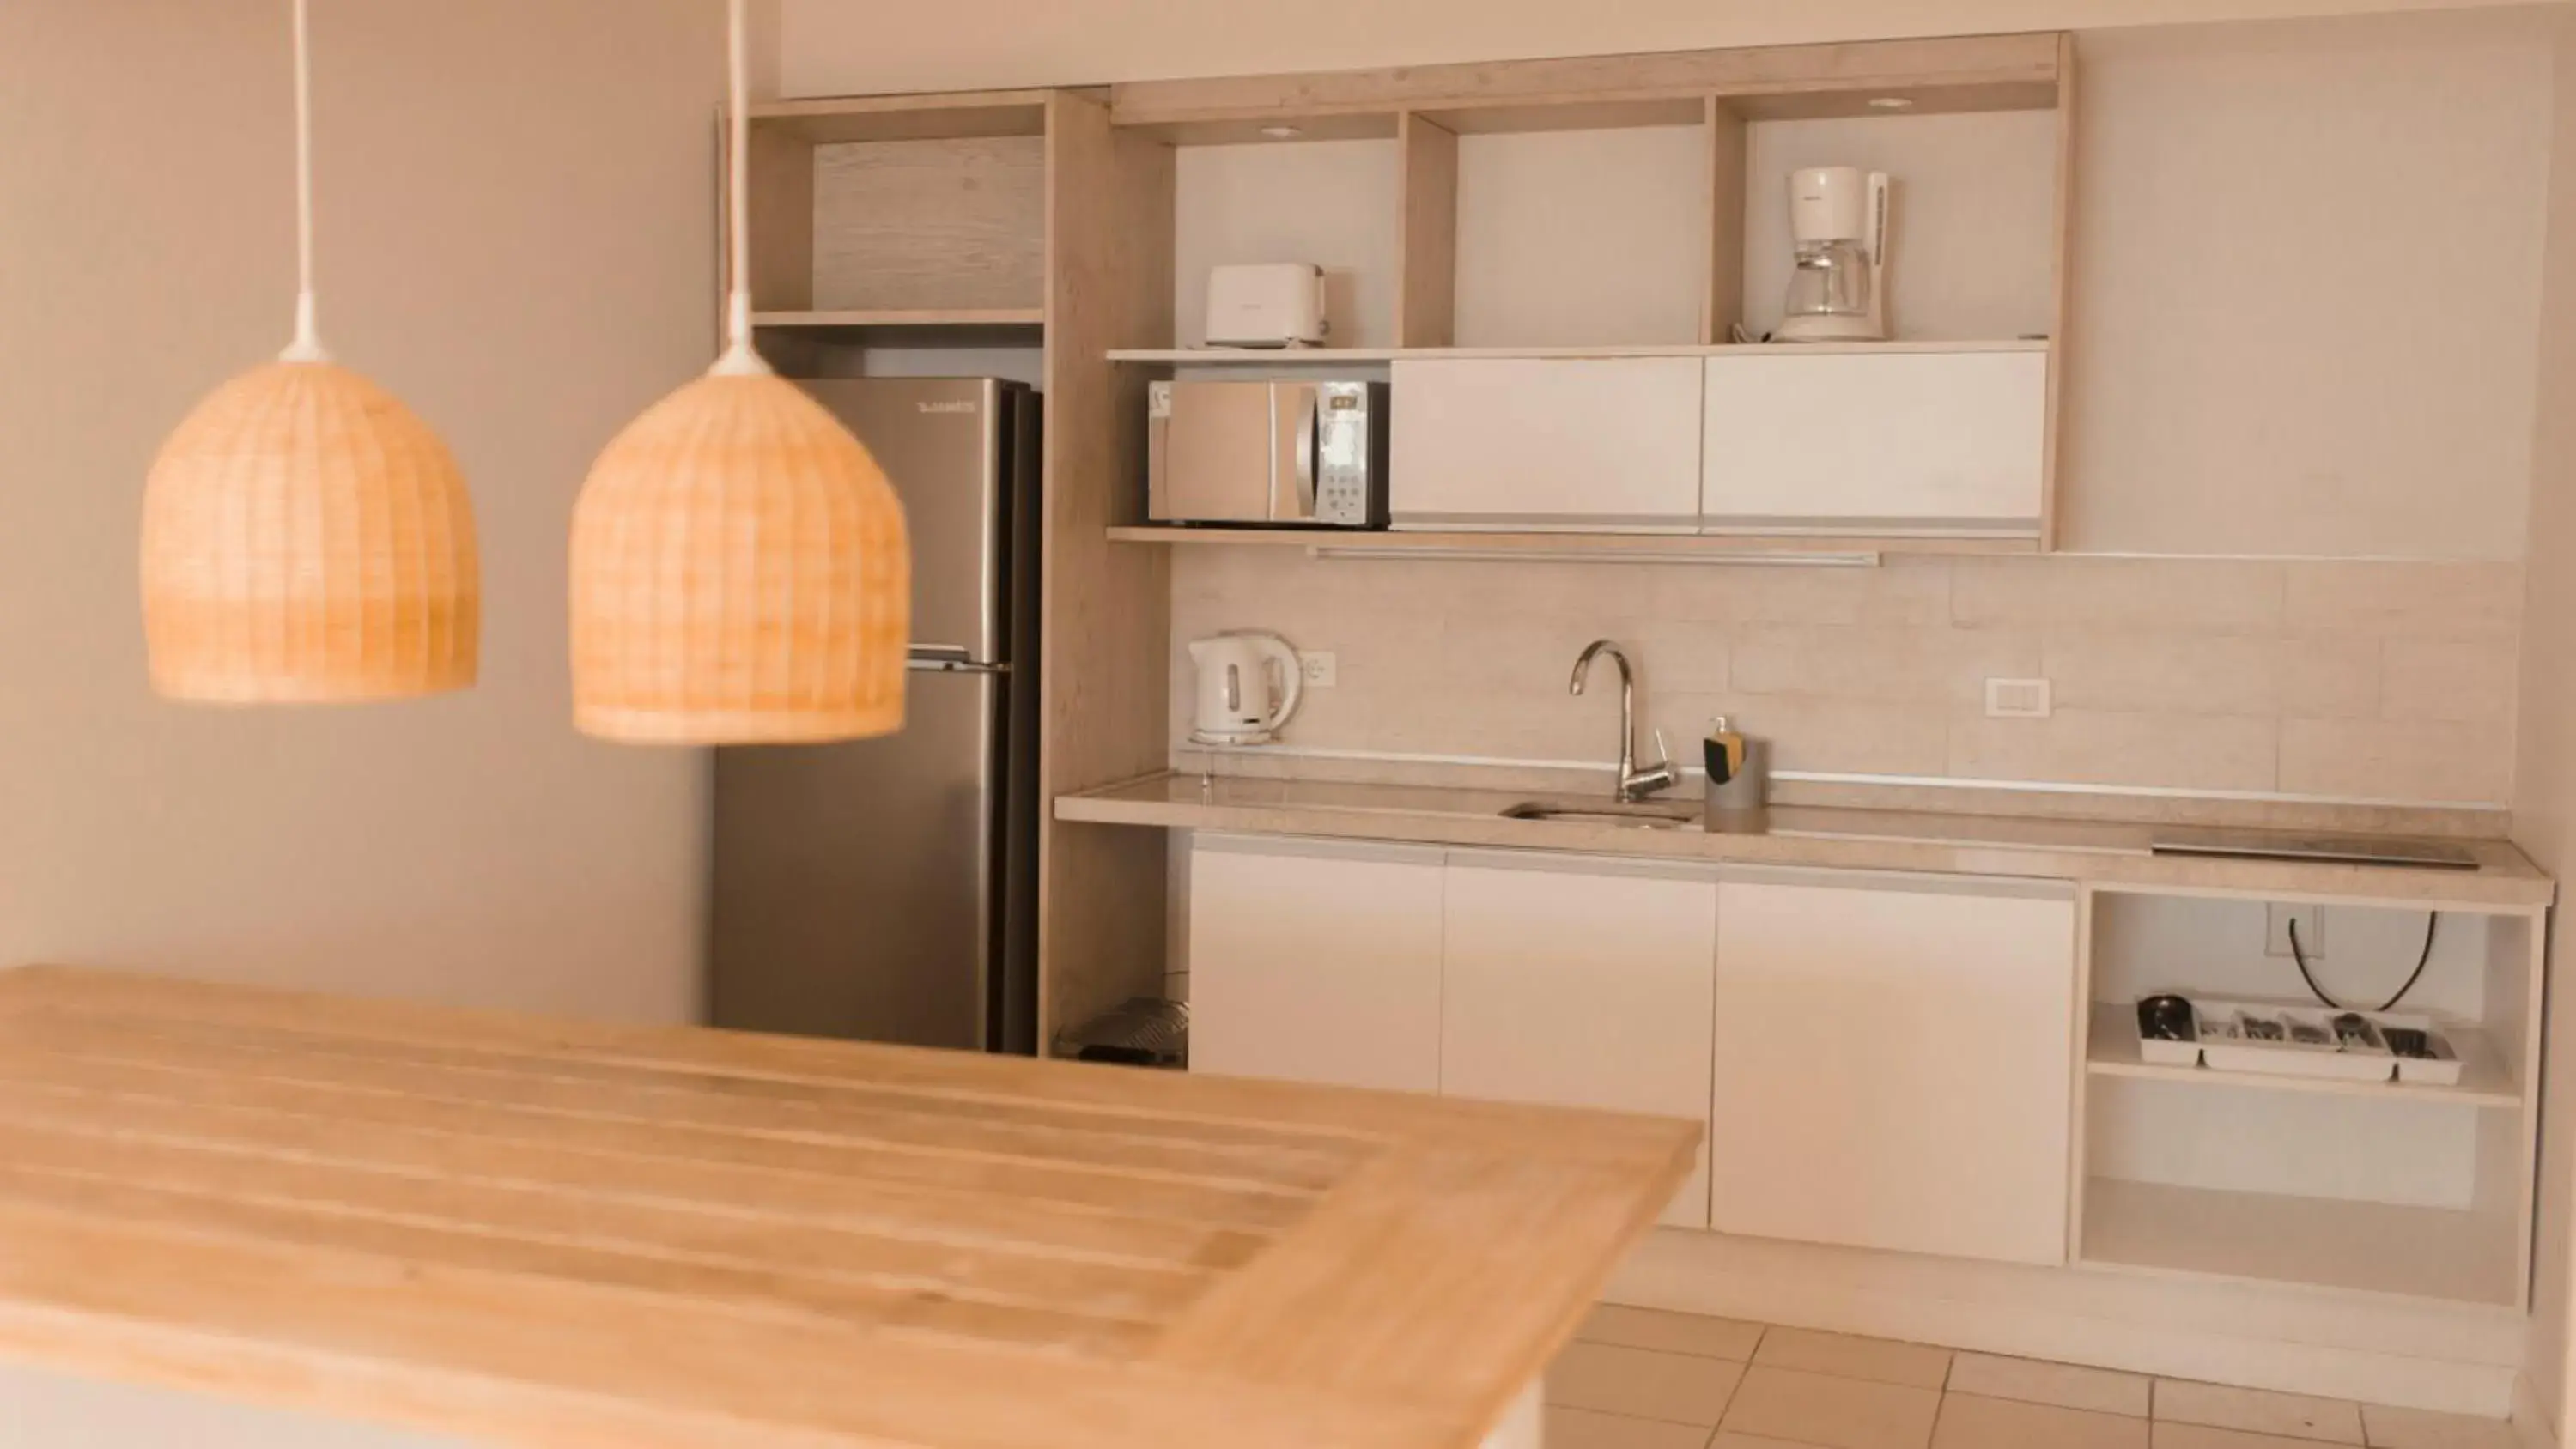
(1312, 419)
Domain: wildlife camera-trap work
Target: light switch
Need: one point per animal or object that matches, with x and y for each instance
(2017, 699)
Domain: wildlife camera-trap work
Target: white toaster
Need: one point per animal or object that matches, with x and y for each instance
(1269, 304)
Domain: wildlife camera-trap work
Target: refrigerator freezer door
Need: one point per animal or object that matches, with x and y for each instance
(943, 442)
(856, 885)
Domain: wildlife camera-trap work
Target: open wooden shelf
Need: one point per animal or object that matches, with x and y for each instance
(912, 317)
(940, 116)
(952, 324)
(1333, 356)
(1605, 545)
(1929, 76)
(2436, 1253)
(2485, 1081)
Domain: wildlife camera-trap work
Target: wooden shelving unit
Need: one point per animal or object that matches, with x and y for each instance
(2385, 1187)
(901, 211)
(1017, 219)
(1437, 199)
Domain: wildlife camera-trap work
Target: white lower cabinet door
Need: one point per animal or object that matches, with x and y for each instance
(1895, 1064)
(1581, 984)
(1315, 961)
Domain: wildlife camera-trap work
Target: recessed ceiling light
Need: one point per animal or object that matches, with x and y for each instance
(1891, 103)
(1282, 133)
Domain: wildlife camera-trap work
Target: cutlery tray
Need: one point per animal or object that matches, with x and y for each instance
(2275, 1039)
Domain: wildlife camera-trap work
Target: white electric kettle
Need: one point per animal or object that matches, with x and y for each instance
(1249, 684)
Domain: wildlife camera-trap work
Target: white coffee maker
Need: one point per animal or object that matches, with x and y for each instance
(1838, 277)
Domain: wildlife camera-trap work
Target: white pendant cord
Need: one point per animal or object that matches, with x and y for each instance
(740, 358)
(307, 346)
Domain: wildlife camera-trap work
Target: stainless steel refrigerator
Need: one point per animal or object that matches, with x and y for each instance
(885, 890)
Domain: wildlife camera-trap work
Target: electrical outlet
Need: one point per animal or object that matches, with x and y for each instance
(2312, 930)
(1317, 666)
(2017, 699)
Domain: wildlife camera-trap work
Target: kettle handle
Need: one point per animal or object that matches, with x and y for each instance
(1274, 647)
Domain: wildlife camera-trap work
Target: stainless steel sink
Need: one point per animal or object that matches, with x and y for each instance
(1643, 815)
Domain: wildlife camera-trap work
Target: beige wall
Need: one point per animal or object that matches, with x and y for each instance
(515, 231)
(848, 47)
(2545, 798)
(2307, 278)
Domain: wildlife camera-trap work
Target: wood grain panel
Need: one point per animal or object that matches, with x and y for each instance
(782, 220)
(1262, 1110)
(947, 224)
(1426, 279)
(554, 1233)
(945, 115)
(1723, 306)
(804, 1116)
(2064, 285)
(1230, 1204)
(1968, 72)
(1107, 632)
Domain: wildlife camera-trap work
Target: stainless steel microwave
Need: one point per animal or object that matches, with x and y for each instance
(1274, 454)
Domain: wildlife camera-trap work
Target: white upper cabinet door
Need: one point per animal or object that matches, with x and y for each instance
(1581, 984)
(1315, 961)
(1895, 1065)
(1598, 444)
(1906, 442)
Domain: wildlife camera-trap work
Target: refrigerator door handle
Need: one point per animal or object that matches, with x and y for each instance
(949, 659)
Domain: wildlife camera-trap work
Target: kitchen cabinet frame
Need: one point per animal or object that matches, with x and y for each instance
(2323, 1240)
(1093, 207)
(1425, 110)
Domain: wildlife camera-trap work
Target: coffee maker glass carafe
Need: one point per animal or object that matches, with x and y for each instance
(1830, 279)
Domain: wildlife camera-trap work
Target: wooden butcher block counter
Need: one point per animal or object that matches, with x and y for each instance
(536, 1232)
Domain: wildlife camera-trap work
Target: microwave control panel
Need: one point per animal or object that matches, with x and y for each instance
(1342, 454)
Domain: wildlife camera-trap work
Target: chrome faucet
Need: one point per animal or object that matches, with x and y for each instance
(1634, 784)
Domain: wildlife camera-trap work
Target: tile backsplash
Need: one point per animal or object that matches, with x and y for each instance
(2379, 681)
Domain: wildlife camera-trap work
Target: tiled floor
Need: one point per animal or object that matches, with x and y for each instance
(1639, 1379)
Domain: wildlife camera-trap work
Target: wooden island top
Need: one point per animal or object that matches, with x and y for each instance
(552, 1233)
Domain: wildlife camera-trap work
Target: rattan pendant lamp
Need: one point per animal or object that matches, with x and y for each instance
(306, 537)
(740, 571)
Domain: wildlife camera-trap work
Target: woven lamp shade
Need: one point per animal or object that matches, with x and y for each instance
(740, 575)
(307, 539)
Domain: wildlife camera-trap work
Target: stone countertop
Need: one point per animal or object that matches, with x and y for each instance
(539, 1232)
(2097, 853)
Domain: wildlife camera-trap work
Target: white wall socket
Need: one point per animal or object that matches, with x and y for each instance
(2017, 699)
(2312, 930)
(1318, 667)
